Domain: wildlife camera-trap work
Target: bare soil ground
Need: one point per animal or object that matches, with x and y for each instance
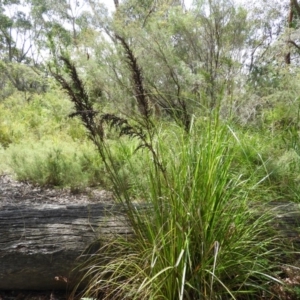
(32, 295)
(13, 192)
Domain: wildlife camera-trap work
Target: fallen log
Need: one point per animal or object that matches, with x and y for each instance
(40, 244)
(41, 241)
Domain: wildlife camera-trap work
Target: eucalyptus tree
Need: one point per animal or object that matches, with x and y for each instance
(293, 27)
(17, 32)
(179, 59)
(59, 20)
(271, 64)
(188, 57)
(6, 40)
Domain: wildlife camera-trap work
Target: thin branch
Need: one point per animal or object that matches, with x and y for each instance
(294, 44)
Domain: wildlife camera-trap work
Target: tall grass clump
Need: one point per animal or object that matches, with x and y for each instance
(195, 236)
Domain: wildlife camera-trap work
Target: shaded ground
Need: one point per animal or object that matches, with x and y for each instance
(32, 295)
(13, 192)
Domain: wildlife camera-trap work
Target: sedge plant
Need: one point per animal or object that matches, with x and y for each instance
(195, 236)
(194, 232)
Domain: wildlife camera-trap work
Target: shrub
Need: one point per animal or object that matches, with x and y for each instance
(61, 164)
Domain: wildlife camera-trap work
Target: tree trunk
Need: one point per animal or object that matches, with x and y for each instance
(40, 245)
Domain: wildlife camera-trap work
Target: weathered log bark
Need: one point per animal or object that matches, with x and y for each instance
(286, 221)
(41, 243)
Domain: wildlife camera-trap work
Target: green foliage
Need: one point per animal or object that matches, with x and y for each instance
(17, 77)
(46, 115)
(188, 190)
(44, 145)
(192, 235)
(190, 215)
(53, 164)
